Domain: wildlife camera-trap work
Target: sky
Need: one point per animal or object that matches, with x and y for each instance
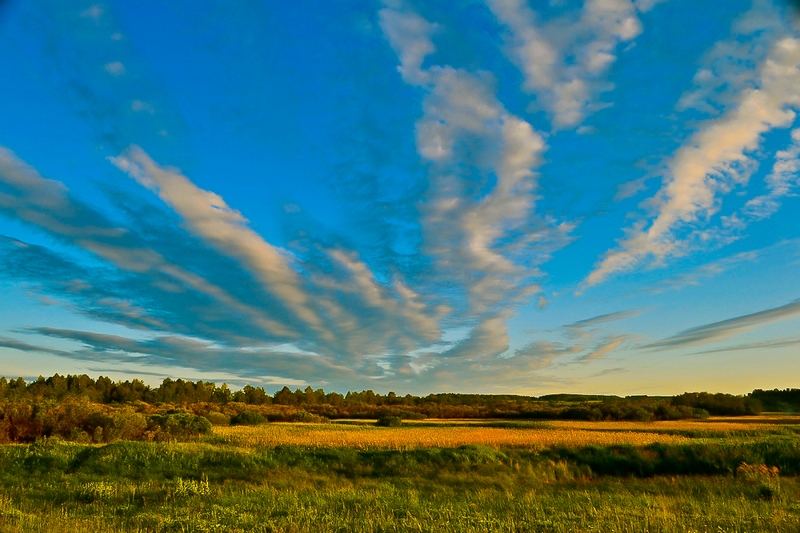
(488, 196)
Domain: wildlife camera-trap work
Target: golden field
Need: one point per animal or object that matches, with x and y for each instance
(432, 436)
(454, 433)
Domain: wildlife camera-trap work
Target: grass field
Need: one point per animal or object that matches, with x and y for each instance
(434, 436)
(433, 476)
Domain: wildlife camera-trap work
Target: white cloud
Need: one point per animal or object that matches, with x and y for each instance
(478, 213)
(115, 68)
(139, 106)
(784, 177)
(94, 12)
(464, 126)
(564, 60)
(339, 309)
(410, 37)
(709, 165)
(731, 65)
(48, 205)
(207, 215)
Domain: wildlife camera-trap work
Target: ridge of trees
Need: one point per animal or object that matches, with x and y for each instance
(448, 405)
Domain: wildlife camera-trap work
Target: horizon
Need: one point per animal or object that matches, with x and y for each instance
(154, 386)
(591, 197)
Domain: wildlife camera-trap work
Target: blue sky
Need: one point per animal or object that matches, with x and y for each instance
(497, 196)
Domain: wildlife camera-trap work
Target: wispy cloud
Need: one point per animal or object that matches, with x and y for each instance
(337, 309)
(115, 68)
(609, 371)
(14, 344)
(784, 177)
(564, 60)
(487, 242)
(487, 340)
(604, 319)
(207, 215)
(48, 205)
(709, 165)
(704, 272)
(186, 352)
(604, 349)
(731, 65)
(726, 328)
(768, 345)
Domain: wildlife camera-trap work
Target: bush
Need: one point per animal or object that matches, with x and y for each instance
(177, 425)
(248, 418)
(308, 418)
(218, 419)
(400, 413)
(389, 421)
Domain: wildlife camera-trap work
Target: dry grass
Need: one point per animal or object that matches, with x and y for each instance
(431, 436)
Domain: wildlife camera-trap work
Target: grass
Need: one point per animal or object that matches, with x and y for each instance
(309, 504)
(677, 479)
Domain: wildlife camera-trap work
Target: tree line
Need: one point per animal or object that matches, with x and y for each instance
(82, 409)
(367, 403)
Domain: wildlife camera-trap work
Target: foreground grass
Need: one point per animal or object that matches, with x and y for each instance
(233, 482)
(322, 505)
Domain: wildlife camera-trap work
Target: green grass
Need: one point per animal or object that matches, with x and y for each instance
(206, 485)
(309, 503)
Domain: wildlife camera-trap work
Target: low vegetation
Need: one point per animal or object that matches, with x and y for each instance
(87, 459)
(82, 409)
(744, 480)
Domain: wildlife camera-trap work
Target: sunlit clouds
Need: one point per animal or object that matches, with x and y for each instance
(565, 59)
(504, 196)
(711, 164)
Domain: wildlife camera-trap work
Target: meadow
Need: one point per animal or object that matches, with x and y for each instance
(738, 475)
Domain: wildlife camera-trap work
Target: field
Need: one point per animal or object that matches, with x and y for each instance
(443, 434)
(714, 475)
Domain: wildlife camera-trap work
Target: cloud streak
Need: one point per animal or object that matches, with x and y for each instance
(726, 328)
(207, 215)
(604, 319)
(478, 212)
(709, 165)
(47, 204)
(606, 348)
(178, 351)
(362, 317)
(784, 177)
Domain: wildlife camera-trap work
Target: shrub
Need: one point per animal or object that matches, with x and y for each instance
(247, 418)
(177, 425)
(389, 421)
(218, 419)
(764, 477)
(400, 413)
(125, 424)
(309, 418)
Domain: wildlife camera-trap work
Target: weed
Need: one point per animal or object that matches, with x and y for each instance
(191, 487)
(96, 491)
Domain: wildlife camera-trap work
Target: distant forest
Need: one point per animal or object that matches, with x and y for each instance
(284, 405)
